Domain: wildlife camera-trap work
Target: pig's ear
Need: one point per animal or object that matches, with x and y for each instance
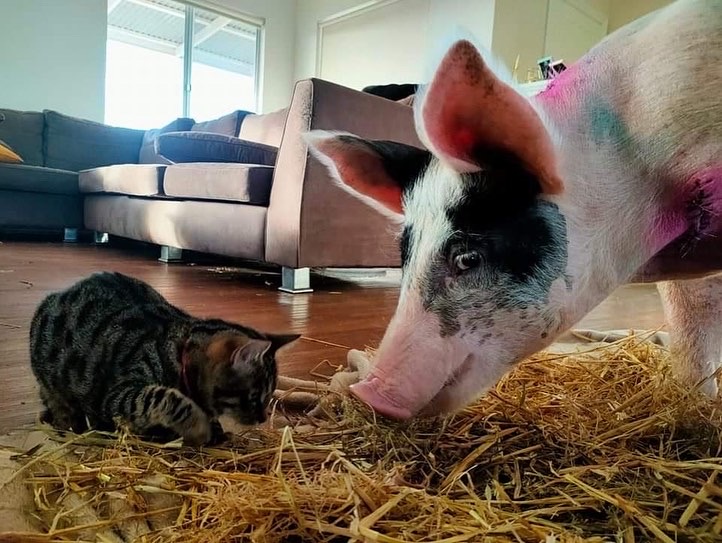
(467, 109)
(376, 172)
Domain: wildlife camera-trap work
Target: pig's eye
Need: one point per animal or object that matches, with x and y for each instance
(466, 261)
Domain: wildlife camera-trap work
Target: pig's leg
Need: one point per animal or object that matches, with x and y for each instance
(694, 316)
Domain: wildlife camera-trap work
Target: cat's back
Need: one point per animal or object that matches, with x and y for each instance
(89, 311)
(105, 291)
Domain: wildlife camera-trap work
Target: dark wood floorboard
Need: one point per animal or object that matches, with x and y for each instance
(352, 314)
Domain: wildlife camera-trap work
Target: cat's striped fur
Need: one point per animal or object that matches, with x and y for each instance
(110, 349)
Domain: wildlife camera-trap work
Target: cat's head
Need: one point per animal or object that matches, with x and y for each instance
(240, 375)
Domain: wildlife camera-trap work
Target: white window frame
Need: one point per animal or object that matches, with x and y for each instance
(258, 22)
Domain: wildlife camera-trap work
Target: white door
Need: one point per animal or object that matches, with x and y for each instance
(382, 45)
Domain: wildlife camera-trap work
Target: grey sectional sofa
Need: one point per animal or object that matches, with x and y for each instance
(255, 194)
(43, 192)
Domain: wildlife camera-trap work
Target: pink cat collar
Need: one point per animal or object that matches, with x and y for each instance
(185, 363)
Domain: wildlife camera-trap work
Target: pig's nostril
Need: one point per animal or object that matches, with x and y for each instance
(367, 393)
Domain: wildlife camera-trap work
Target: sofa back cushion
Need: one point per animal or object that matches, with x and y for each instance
(228, 125)
(23, 131)
(208, 147)
(266, 128)
(78, 144)
(147, 153)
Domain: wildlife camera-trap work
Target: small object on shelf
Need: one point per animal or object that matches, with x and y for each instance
(550, 68)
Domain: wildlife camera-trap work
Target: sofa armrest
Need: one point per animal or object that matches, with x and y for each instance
(312, 222)
(212, 147)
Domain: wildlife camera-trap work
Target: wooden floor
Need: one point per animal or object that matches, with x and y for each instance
(339, 314)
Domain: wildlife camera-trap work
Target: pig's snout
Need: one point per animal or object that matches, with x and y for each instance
(412, 364)
(368, 392)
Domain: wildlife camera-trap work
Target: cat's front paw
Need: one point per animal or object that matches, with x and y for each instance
(198, 433)
(218, 435)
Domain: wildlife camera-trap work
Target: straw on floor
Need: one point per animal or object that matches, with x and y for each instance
(599, 446)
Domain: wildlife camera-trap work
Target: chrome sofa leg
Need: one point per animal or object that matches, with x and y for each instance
(295, 280)
(170, 255)
(100, 238)
(70, 235)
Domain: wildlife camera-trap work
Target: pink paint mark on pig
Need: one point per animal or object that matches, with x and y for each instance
(564, 87)
(666, 227)
(706, 200)
(694, 211)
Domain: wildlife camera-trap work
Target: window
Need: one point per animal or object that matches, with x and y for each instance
(159, 66)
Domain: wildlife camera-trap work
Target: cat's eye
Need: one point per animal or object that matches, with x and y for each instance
(467, 261)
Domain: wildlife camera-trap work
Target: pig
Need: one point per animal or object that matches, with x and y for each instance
(523, 214)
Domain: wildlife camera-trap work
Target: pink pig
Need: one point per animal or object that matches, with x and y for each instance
(522, 215)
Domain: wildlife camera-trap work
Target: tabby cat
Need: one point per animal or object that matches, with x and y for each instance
(110, 349)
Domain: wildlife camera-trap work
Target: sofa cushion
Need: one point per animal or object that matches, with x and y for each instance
(23, 131)
(228, 124)
(133, 179)
(78, 144)
(210, 227)
(267, 128)
(25, 178)
(147, 153)
(209, 147)
(246, 183)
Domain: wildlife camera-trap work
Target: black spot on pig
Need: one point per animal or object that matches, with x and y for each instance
(520, 237)
(404, 163)
(405, 245)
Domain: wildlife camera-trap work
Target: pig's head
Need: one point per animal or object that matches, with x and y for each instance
(483, 246)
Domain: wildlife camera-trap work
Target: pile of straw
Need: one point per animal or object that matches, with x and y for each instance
(600, 446)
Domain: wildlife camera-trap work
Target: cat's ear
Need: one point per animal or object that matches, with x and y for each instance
(252, 351)
(279, 341)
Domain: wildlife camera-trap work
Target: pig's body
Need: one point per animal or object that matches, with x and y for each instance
(639, 123)
(521, 219)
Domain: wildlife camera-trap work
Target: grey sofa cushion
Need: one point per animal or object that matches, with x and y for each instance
(208, 147)
(23, 131)
(147, 153)
(229, 125)
(78, 144)
(22, 177)
(133, 179)
(245, 183)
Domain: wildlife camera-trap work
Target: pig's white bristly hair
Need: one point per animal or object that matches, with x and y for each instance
(312, 138)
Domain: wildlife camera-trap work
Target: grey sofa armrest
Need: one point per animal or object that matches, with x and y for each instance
(211, 147)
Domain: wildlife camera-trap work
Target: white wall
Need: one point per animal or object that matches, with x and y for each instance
(53, 56)
(522, 27)
(622, 12)
(434, 21)
(277, 64)
(308, 13)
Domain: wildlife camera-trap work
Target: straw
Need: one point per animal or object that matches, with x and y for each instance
(590, 447)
